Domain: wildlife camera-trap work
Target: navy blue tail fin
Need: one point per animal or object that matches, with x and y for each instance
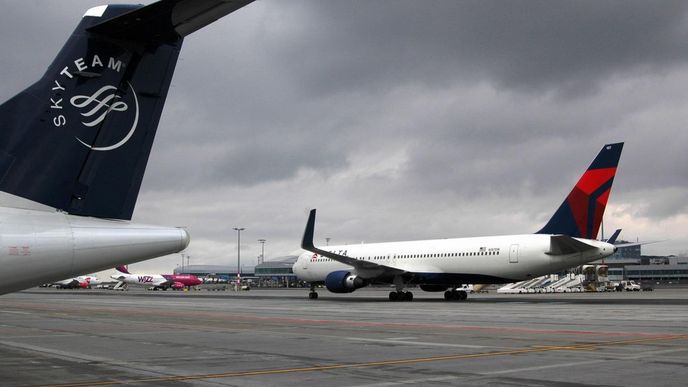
(79, 139)
(580, 215)
(614, 236)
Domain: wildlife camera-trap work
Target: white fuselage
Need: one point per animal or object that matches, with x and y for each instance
(88, 280)
(39, 244)
(491, 259)
(154, 280)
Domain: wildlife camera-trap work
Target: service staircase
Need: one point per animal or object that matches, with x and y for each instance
(545, 284)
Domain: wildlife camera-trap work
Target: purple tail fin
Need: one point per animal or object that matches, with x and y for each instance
(122, 269)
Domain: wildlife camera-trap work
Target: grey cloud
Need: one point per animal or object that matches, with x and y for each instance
(530, 45)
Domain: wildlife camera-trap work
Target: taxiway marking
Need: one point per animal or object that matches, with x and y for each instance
(380, 363)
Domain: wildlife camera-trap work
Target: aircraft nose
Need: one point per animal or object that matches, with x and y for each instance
(295, 268)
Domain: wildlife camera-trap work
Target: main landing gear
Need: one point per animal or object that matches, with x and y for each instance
(455, 295)
(400, 296)
(313, 295)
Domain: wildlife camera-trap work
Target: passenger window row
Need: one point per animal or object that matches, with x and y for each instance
(438, 255)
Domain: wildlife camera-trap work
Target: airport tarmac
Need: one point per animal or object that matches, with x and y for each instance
(278, 337)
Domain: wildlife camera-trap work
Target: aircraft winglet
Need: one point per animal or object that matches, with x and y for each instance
(307, 240)
(307, 244)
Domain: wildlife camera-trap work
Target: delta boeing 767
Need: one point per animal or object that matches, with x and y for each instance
(443, 265)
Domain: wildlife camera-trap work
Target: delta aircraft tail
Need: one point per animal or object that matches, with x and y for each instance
(79, 138)
(580, 215)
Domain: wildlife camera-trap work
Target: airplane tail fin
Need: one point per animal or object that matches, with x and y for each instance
(79, 138)
(612, 239)
(580, 215)
(123, 269)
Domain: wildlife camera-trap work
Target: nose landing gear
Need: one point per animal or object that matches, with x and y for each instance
(313, 295)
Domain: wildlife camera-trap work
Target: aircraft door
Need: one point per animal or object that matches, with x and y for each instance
(513, 254)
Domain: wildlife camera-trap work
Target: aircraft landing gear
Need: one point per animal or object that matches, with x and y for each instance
(455, 295)
(313, 295)
(400, 296)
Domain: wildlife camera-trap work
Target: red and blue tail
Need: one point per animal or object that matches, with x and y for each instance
(580, 215)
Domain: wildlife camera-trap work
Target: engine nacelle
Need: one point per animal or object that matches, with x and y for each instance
(433, 288)
(343, 282)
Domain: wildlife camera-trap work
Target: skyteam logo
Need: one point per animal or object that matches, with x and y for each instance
(104, 101)
(109, 115)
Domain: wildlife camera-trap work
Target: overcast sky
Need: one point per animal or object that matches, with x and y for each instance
(402, 119)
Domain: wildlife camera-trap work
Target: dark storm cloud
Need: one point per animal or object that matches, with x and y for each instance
(531, 45)
(310, 74)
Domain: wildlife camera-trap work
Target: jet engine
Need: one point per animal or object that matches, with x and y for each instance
(343, 282)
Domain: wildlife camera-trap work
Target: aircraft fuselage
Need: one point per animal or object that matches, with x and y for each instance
(493, 259)
(39, 245)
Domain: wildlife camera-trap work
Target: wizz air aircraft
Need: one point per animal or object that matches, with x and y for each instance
(155, 281)
(75, 144)
(443, 265)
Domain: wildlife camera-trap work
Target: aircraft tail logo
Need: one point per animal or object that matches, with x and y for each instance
(79, 138)
(97, 107)
(580, 215)
(83, 101)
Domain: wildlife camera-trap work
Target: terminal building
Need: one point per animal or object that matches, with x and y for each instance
(274, 273)
(628, 263)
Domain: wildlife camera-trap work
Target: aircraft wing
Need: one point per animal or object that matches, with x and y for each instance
(564, 244)
(361, 265)
(167, 19)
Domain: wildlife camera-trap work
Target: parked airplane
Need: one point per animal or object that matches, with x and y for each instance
(156, 281)
(444, 265)
(75, 144)
(82, 281)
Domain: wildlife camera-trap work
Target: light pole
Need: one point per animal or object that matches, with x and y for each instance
(327, 241)
(182, 263)
(238, 230)
(262, 250)
(188, 258)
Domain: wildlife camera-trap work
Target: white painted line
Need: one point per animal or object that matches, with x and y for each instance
(13, 312)
(409, 381)
(417, 343)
